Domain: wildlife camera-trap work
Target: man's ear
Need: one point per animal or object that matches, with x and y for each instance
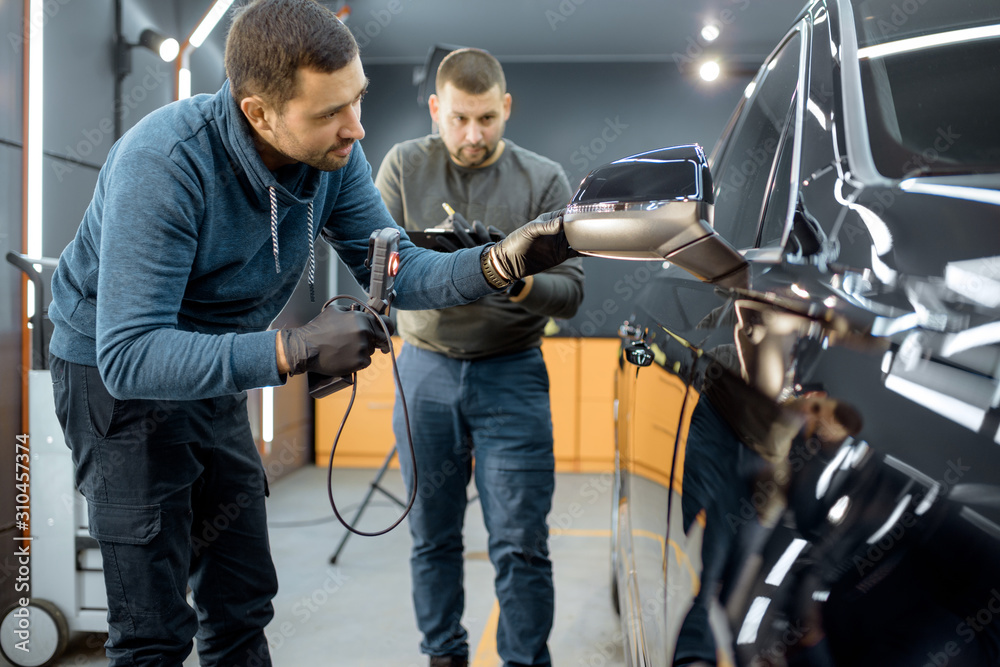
(506, 107)
(434, 105)
(258, 113)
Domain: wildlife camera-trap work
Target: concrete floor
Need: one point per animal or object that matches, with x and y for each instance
(358, 612)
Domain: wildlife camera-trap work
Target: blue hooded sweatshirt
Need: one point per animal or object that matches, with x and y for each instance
(191, 247)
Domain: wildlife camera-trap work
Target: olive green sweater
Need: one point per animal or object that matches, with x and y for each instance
(416, 177)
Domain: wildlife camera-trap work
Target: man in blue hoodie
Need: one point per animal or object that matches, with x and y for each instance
(203, 219)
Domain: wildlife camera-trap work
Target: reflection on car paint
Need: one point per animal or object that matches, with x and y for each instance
(807, 463)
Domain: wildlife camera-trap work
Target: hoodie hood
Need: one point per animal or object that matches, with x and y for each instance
(253, 175)
(260, 184)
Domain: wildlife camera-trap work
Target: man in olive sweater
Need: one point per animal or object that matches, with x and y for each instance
(473, 375)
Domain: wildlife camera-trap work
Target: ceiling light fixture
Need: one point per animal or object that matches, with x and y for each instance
(710, 32)
(710, 70)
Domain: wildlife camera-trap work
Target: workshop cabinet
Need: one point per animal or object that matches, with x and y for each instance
(581, 372)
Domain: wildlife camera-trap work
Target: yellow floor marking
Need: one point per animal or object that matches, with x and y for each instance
(682, 556)
(486, 652)
(574, 532)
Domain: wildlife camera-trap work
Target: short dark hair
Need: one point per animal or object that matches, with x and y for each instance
(271, 39)
(472, 71)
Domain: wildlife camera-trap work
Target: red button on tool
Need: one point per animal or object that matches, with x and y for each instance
(394, 264)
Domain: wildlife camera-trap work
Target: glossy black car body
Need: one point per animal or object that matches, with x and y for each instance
(808, 451)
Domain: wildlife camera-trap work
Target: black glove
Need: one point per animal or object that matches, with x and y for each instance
(471, 236)
(336, 342)
(533, 248)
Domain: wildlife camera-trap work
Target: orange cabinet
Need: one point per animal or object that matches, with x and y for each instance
(598, 358)
(581, 372)
(367, 436)
(562, 360)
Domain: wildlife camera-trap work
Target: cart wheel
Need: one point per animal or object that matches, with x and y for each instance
(33, 636)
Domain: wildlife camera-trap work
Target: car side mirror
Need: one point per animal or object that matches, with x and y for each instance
(654, 206)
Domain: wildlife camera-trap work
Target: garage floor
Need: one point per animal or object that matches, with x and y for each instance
(358, 613)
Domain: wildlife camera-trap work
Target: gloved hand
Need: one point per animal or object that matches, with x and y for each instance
(471, 236)
(534, 247)
(336, 342)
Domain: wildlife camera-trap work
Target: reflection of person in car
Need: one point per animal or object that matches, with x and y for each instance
(737, 456)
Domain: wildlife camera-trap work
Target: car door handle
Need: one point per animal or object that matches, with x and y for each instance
(637, 352)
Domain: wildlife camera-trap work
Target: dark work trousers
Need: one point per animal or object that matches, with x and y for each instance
(175, 491)
(495, 411)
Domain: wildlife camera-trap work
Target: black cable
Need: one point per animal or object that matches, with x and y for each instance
(406, 420)
(305, 523)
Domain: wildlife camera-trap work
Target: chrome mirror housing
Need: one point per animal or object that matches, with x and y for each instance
(653, 206)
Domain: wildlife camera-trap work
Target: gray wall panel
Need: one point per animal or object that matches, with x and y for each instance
(151, 83)
(11, 71)
(207, 70)
(78, 86)
(68, 189)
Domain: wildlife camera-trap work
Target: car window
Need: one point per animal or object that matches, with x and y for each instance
(929, 105)
(743, 177)
(776, 211)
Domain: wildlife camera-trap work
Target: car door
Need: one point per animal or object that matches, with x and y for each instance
(657, 555)
(651, 397)
(754, 196)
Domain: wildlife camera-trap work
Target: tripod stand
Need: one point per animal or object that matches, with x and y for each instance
(373, 486)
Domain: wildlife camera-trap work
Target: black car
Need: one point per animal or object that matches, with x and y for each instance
(807, 420)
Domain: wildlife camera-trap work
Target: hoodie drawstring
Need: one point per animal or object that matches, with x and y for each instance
(274, 228)
(312, 256)
(312, 243)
